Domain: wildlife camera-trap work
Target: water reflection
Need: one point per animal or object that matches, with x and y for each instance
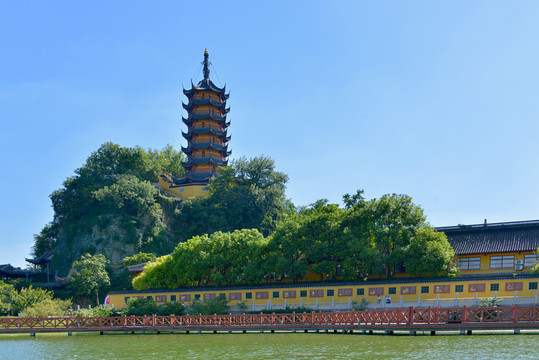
(266, 346)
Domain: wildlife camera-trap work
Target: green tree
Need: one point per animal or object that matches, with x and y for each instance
(157, 274)
(429, 252)
(110, 200)
(91, 275)
(134, 200)
(233, 258)
(309, 239)
(7, 292)
(286, 250)
(46, 240)
(139, 258)
(382, 235)
(249, 194)
(48, 307)
(217, 305)
(27, 297)
(140, 307)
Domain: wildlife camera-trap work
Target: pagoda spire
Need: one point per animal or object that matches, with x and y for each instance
(206, 65)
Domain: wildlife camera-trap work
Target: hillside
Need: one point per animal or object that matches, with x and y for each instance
(111, 207)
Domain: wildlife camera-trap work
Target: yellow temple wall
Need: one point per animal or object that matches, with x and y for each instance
(184, 192)
(326, 293)
(485, 261)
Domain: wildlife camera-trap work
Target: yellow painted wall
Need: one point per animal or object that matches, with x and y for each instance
(184, 192)
(357, 292)
(485, 263)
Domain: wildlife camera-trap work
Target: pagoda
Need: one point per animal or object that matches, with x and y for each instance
(207, 138)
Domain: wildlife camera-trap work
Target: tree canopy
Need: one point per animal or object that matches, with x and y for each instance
(91, 275)
(249, 194)
(378, 237)
(111, 207)
(245, 231)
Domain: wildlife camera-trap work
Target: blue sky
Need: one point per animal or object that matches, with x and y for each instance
(434, 99)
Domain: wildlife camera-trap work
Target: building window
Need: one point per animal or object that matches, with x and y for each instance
(248, 295)
(303, 293)
(424, 289)
(275, 294)
(330, 293)
(473, 263)
(530, 260)
(502, 262)
(149, 298)
(360, 292)
(204, 189)
(172, 297)
(126, 299)
(181, 190)
(459, 288)
(197, 296)
(494, 287)
(392, 290)
(532, 285)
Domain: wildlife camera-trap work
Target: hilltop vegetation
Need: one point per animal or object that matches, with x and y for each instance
(244, 232)
(110, 206)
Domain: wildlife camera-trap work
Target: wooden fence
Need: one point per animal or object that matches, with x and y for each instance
(464, 318)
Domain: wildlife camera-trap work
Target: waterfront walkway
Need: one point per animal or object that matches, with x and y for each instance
(412, 320)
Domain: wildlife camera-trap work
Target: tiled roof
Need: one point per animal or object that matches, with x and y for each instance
(493, 238)
(9, 270)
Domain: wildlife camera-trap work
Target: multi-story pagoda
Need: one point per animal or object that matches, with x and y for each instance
(207, 139)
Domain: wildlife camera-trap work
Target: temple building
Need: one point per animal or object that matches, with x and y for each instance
(207, 139)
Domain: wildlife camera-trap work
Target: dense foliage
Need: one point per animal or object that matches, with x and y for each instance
(139, 258)
(215, 306)
(376, 237)
(111, 207)
(48, 307)
(245, 232)
(140, 307)
(249, 194)
(26, 300)
(6, 297)
(90, 276)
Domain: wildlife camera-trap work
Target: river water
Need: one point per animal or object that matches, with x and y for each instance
(267, 346)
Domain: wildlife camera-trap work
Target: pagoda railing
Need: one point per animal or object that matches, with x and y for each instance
(499, 317)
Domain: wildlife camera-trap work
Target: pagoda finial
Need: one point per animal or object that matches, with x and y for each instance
(206, 65)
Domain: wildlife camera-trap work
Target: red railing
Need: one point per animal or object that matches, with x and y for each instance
(510, 316)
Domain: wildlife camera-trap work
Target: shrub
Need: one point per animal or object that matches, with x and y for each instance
(171, 308)
(218, 306)
(27, 297)
(489, 302)
(360, 305)
(99, 311)
(7, 292)
(242, 306)
(48, 307)
(287, 310)
(141, 307)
